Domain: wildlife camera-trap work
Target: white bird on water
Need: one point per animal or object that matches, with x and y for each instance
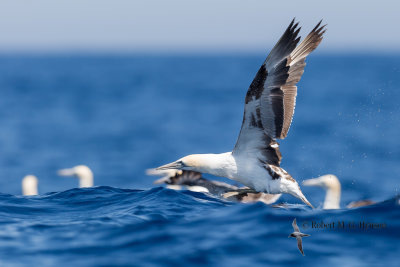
(82, 172)
(30, 185)
(333, 192)
(269, 107)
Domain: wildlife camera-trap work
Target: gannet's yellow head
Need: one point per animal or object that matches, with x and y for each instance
(214, 164)
(328, 181)
(333, 189)
(189, 163)
(84, 173)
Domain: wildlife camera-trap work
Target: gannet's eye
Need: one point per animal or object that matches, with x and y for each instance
(181, 163)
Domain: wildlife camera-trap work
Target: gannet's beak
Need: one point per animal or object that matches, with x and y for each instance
(311, 182)
(297, 193)
(307, 202)
(66, 172)
(174, 165)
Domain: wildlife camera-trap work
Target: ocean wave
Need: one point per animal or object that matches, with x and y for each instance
(112, 226)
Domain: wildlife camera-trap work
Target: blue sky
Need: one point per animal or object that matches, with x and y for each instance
(186, 26)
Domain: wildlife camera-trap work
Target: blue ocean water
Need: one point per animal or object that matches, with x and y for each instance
(121, 114)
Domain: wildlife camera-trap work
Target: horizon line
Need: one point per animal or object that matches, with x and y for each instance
(255, 51)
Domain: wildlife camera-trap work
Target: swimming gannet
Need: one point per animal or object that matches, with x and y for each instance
(82, 172)
(333, 192)
(30, 185)
(269, 107)
(193, 181)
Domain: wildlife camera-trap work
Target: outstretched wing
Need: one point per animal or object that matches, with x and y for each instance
(271, 98)
(295, 227)
(300, 245)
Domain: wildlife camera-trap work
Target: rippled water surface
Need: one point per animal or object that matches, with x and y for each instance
(123, 114)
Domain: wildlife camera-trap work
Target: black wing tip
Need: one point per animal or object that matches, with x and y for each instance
(292, 32)
(292, 27)
(292, 22)
(316, 34)
(297, 31)
(319, 23)
(318, 29)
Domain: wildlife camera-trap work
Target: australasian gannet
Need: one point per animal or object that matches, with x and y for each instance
(333, 192)
(298, 235)
(30, 185)
(269, 107)
(193, 181)
(82, 172)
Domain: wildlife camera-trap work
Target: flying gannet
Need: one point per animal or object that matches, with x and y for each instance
(82, 172)
(269, 107)
(193, 181)
(30, 185)
(333, 192)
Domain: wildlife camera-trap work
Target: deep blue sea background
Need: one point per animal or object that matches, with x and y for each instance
(122, 114)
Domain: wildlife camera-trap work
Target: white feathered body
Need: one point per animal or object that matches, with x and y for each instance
(243, 169)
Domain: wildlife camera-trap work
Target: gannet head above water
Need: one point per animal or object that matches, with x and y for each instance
(333, 192)
(30, 185)
(269, 108)
(82, 172)
(333, 189)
